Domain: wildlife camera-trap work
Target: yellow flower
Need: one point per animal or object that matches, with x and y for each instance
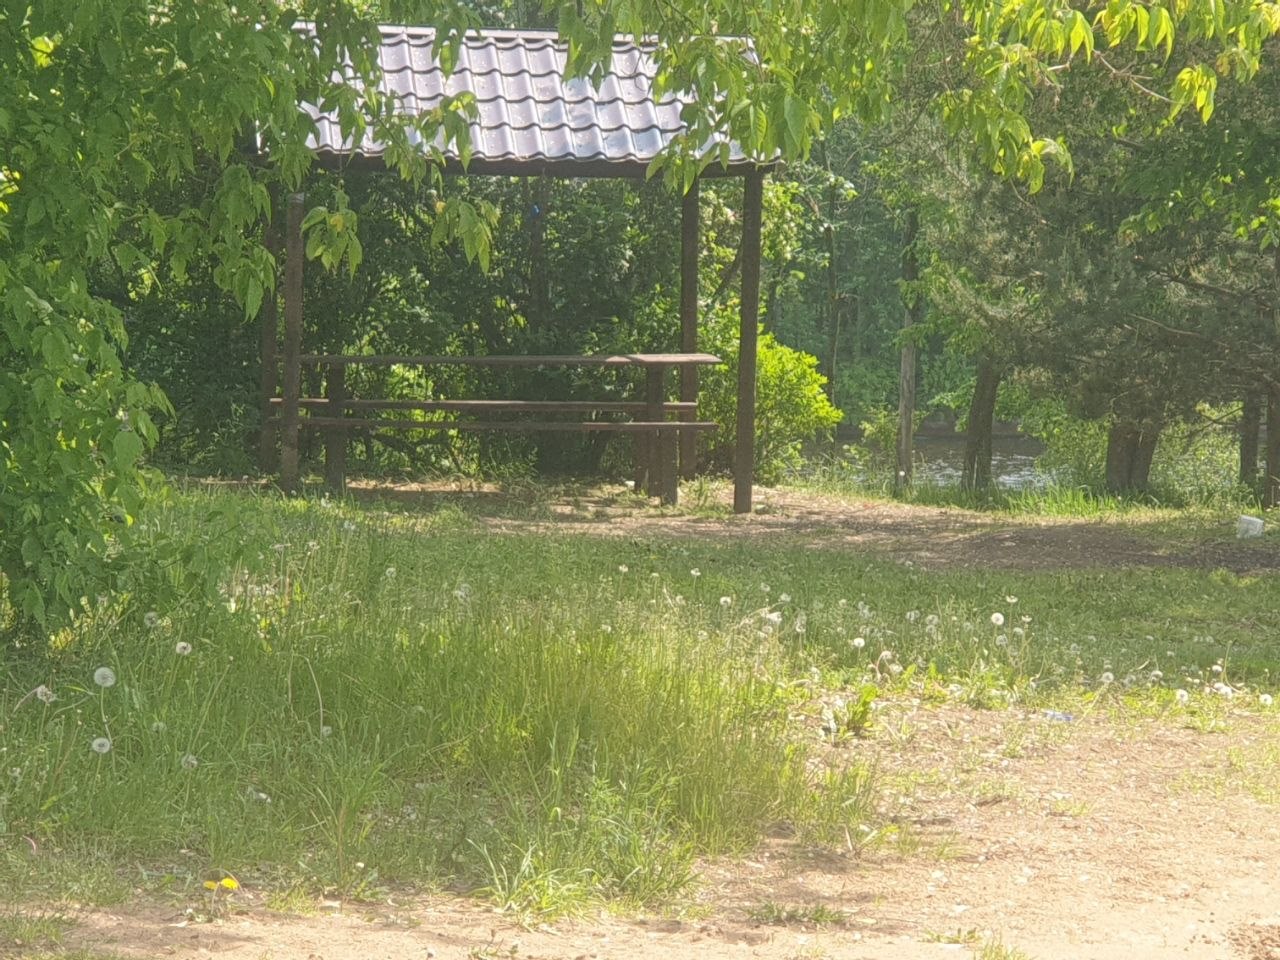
(226, 883)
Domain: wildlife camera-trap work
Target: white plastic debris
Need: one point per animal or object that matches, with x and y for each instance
(1248, 526)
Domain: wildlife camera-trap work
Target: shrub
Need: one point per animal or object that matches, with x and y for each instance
(791, 407)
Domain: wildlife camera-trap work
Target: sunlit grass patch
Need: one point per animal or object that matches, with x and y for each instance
(377, 698)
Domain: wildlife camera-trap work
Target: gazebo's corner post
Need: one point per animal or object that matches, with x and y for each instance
(335, 438)
(689, 325)
(269, 319)
(744, 460)
(294, 255)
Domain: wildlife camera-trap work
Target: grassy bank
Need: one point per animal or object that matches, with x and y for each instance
(384, 698)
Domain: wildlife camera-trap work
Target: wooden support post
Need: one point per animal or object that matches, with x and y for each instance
(744, 459)
(335, 440)
(269, 342)
(689, 325)
(292, 344)
(653, 397)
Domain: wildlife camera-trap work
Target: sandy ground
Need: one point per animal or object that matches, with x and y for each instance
(1094, 839)
(930, 537)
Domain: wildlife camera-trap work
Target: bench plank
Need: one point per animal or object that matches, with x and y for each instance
(589, 426)
(480, 406)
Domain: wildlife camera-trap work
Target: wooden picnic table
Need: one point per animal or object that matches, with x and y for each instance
(656, 437)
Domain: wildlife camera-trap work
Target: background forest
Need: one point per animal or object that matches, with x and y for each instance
(1125, 313)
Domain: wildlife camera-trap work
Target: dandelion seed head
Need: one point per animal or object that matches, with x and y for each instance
(190, 761)
(44, 694)
(695, 572)
(1156, 676)
(998, 619)
(1010, 599)
(1216, 668)
(100, 745)
(784, 598)
(159, 727)
(390, 573)
(726, 602)
(623, 568)
(858, 642)
(104, 677)
(182, 648)
(1108, 677)
(326, 731)
(151, 619)
(1265, 699)
(1181, 696)
(913, 616)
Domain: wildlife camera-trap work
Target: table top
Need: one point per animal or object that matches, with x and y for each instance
(530, 360)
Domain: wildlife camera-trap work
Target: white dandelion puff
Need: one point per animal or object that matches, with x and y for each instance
(182, 648)
(997, 618)
(100, 745)
(44, 694)
(623, 568)
(151, 619)
(159, 727)
(1265, 700)
(784, 598)
(104, 677)
(1108, 677)
(726, 602)
(190, 761)
(858, 642)
(1182, 696)
(390, 573)
(695, 572)
(1010, 599)
(913, 616)
(326, 731)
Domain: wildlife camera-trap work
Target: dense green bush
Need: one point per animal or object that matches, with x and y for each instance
(791, 408)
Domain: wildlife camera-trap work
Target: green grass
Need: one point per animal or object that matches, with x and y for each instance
(382, 698)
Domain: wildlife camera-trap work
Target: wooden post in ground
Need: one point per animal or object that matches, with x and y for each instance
(653, 398)
(335, 438)
(294, 254)
(689, 325)
(744, 459)
(269, 341)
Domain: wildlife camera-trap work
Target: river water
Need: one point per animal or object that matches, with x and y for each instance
(940, 461)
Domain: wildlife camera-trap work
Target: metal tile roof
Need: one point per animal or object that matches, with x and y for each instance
(529, 117)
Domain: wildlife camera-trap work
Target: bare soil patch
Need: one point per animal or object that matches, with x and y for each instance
(930, 537)
(1102, 837)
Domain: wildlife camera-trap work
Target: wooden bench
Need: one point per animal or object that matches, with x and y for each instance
(657, 436)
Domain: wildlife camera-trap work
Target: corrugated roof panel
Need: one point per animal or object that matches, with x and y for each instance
(527, 113)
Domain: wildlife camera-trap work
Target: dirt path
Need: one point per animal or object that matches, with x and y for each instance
(931, 537)
(1094, 839)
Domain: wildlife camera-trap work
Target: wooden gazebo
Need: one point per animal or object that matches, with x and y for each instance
(531, 120)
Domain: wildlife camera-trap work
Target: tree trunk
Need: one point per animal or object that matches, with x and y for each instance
(833, 283)
(1250, 427)
(1131, 446)
(982, 412)
(907, 368)
(1271, 486)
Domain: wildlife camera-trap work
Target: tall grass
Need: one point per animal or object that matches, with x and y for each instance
(379, 697)
(372, 700)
